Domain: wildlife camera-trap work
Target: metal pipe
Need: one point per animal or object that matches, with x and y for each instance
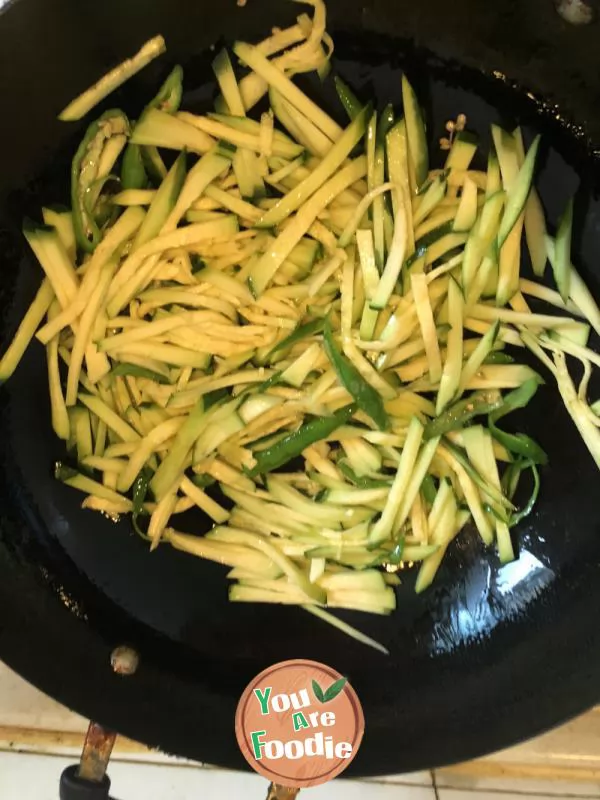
(96, 752)
(282, 792)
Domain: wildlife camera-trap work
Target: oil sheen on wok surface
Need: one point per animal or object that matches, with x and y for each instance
(473, 601)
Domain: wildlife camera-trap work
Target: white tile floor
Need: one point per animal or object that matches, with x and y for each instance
(455, 787)
(34, 775)
(465, 794)
(26, 776)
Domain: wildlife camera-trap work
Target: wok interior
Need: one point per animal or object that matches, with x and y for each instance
(173, 607)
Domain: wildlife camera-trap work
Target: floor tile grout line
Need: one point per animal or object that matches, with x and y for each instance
(434, 784)
(404, 784)
(386, 781)
(511, 791)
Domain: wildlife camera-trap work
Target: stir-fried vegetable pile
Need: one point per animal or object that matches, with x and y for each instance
(301, 328)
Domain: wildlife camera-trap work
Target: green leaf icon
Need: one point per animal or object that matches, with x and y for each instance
(318, 692)
(334, 690)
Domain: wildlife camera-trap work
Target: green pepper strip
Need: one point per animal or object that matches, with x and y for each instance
(395, 556)
(362, 481)
(510, 479)
(434, 235)
(428, 489)
(462, 412)
(518, 398)
(133, 171)
(293, 444)
(212, 398)
(498, 357)
(412, 259)
(203, 480)
(140, 490)
(518, 443)
(83, 174)
(367, 398)
(62, 472)
(528, 507)
(351, 103)
(153, 163)
(168, 97)
(272, 381)
(302, 332)
(138, 372)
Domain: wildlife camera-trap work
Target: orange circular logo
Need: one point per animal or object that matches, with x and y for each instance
(299, 723)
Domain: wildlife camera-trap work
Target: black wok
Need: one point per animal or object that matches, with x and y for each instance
(489, 656)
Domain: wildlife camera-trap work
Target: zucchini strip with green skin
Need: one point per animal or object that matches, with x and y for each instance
(471, 494)
(415, 132)
(589, 431)
(79, 107)
(223, 69)
(258, 542)
(52, 256)
(349, 630)
(299, 126)
(62, 220)
(120, 233)
(328, 166)
(422, 464)
(382, 529)
(578, 291)
(144, 449)
(427, 324)
(451, 373)
(480, 238)
(535, 223)
(162, 203)
(219, 551)
(394, 262)
(122, 290)
(262, 66)
(348, 99)
(205, 503)
(26, 330)
(399, 174)
(478, 356)
(202, 174)
(84, 484)
(171, 467)
(562, 253)
(239, 138)
(517, 196)
(160, 129)
(479, 447)
(84, 330)
(60, 416)
(270, 262)
(109, 416)
(134, 197)
(358, 214)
